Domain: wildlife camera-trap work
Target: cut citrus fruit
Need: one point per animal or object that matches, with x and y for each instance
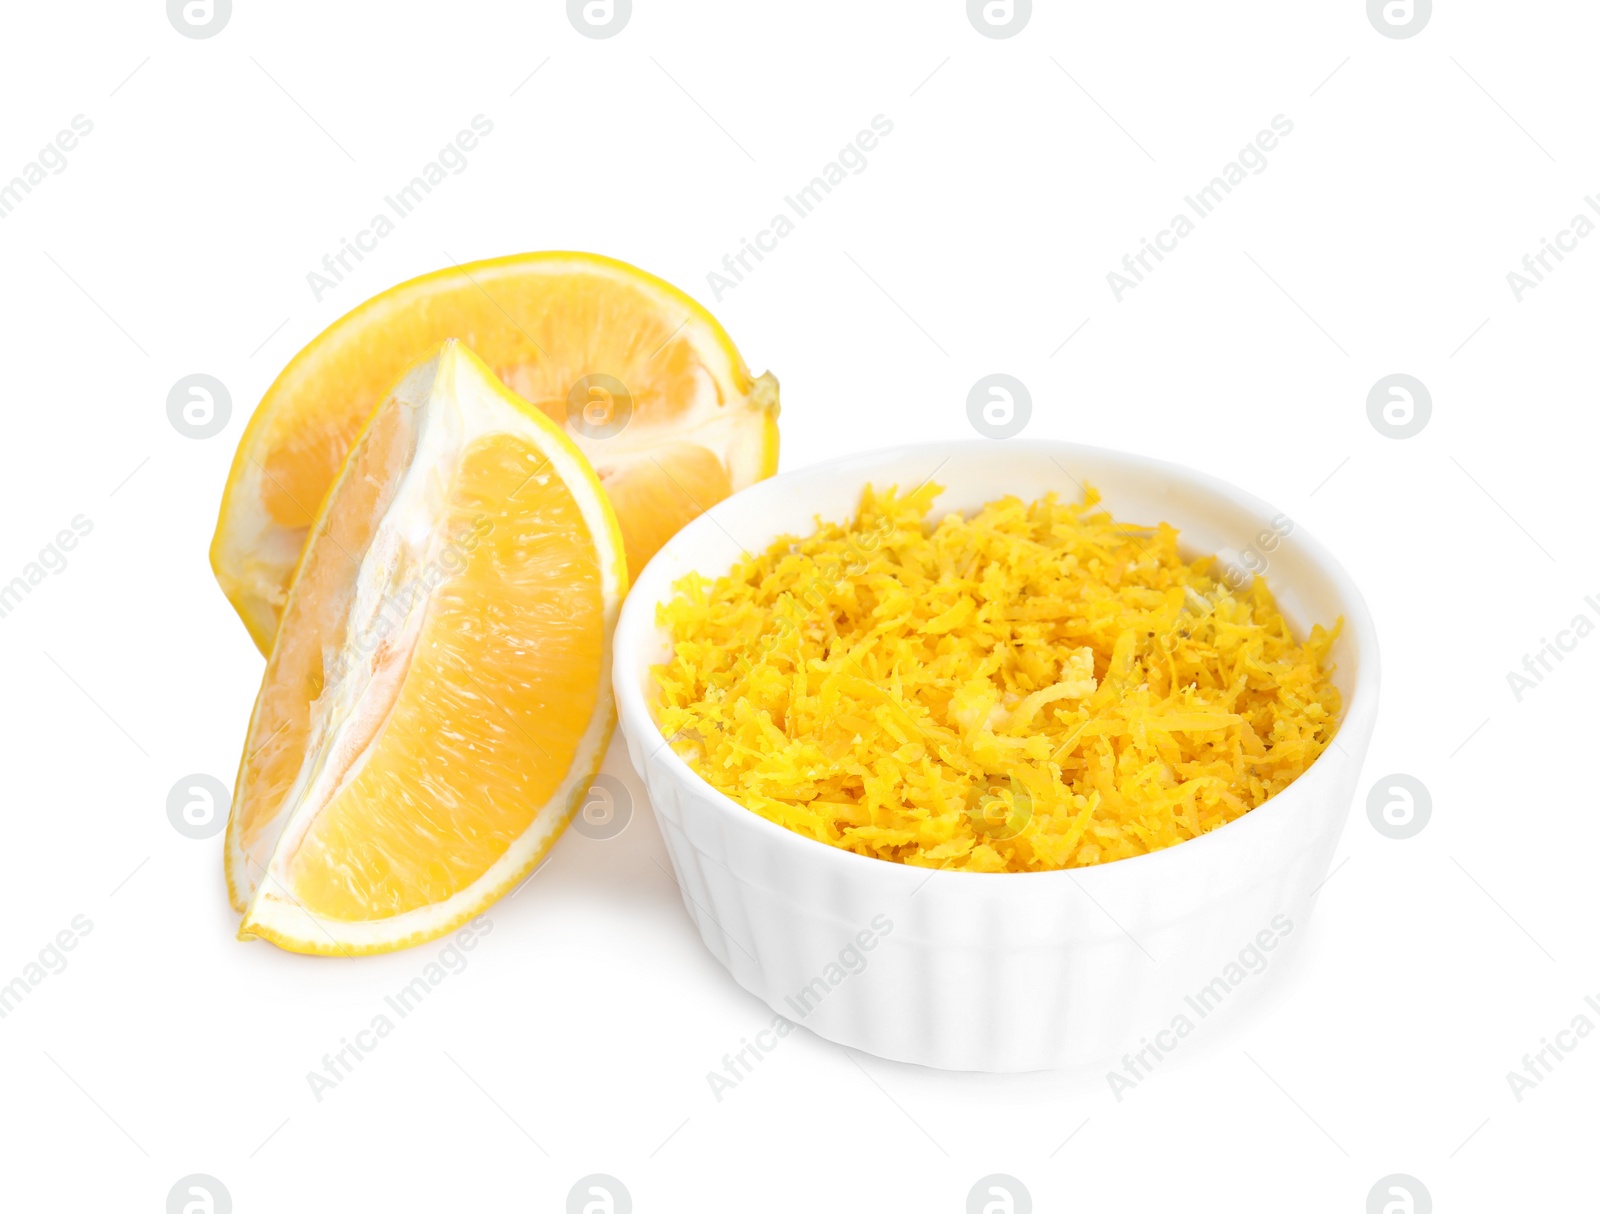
(439, 698)
(642, 378)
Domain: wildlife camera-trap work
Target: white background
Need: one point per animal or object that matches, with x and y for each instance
(1019, 172)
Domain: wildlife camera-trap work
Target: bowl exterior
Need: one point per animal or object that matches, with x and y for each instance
(1001, 972)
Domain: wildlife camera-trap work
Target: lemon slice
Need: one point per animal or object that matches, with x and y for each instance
(641, 377)
(439, 696)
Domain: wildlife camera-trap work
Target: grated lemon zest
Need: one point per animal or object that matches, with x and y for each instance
(1034, 687)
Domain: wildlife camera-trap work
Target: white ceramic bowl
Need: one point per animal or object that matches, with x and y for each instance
(1004, 971)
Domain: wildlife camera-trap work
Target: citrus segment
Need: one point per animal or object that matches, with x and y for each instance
(656, 493)
(571, 333)
(438, 700)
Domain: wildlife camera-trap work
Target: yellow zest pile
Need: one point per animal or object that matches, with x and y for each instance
(1036, 687)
